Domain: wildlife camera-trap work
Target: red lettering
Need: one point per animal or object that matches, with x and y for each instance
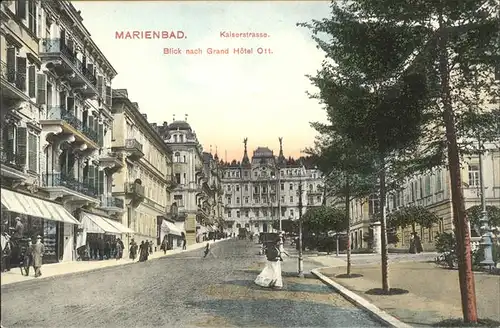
(119, 35)
(135, 35)
(164, 34)
(180, 35)
(147, 35)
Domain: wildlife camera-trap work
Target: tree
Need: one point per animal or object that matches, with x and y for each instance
(474, 215)
(288, 225)
(348, 168)
(410, 216)
(323, 219)
(437, 38)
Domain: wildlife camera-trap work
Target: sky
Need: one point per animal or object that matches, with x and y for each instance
(226, 97)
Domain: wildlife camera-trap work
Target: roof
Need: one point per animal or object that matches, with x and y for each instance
(180, 125)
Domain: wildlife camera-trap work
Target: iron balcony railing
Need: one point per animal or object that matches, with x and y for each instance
(57, 46)
(18, 79)
(133, 144)
(8, 157)
(113, 202)
(60, 113)
(70, 182)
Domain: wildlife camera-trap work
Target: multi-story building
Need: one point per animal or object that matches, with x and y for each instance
(210, 206)
(144, 181)
(255, 189)
(433, 192)
(23, 107)
(191, 188)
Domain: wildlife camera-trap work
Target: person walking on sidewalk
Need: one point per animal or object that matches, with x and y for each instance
(119, 249)
(143, 252)
(164, 245)
(6, 251)
(38, 250)
(133, 250)
(184, 242)
(28, 258)
(208, 251)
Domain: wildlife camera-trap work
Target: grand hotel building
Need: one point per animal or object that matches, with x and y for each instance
(255, 189)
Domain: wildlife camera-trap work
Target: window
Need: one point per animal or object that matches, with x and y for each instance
(228, 188)
(427, 186)
(439, 185)
(473, 175)
(229, 200)
(412, 191)
(184, 180)
(237, 200)
(184, 159)
(421, 189)
(291, 199)
(32, 17)
(246, 200)
(246, 187)
(32, 152)
(282, 185)
(178, 178)
(245, 174)
(291, 213)
(311, 187)
(229, 215)
(291, 186)
(373, 205)
(237, 214)
(247, 213)
(177, 157)
(237, 188)
(318, 199)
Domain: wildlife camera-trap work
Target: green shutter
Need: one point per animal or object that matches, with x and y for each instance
(21, 73)
(22, 144)
(41, 97)
(96, 178)
(101, 135)
(91, 176)
(11, 64)
(32, 152)
(102, 178)
(31, 81)
(21, 8)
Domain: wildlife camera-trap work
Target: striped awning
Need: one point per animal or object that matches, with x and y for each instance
(171, 228)
(97, 224)
(28, 205)
(119, 226)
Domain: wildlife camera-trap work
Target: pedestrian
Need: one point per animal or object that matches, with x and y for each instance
(19, 230)
(142, 252)
(38, 250)
(100, 246)
(150, 246)
(184, 242)
(28, 258)
(133, 250)
(208, 251)
(164, 245)
(119, 249)
(6, 251)
(107, 249)
(270, 277)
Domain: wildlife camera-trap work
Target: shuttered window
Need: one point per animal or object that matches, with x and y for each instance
(11, 64)
(42, 89)
(96, 178)
(101, 135)
(32, 16)
(91, 122)
(91, 176)
(21, 9)
(108, 96)
(21, 73)
(22, 143)
(32, 81)
(32, 152)
(102, 181)
(71, 104)
(100, 85)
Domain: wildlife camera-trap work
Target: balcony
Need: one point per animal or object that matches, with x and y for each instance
(131, 148)
(66, 186)
(11, 165)
(112, 204)
(112, 161)
(63, 61)
(61, 121)
(135, 190)
(13, 83)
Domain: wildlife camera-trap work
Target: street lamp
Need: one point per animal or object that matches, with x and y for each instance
(301, 263)
(486, 240)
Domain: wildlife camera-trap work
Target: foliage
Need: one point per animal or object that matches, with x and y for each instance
(446, 245)
(289, 226)
(323, 219)
(410, 216)
(392, 237)
(474, 215)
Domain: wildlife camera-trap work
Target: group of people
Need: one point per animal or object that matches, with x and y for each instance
(99, 249)
(270, 276)
(143, 250)
(32, 256)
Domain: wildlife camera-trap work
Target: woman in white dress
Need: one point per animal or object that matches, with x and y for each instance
(270, 276)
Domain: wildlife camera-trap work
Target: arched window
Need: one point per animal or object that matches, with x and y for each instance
(177, 157)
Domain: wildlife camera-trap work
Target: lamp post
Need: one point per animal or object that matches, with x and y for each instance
(301, 263)
(486, 240)
(278, 194)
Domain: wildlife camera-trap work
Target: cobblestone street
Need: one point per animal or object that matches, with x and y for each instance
(182, 290)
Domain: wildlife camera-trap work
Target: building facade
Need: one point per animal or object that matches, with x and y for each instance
(194, 187)
(256, 189)
(433, 192)
(144, 181)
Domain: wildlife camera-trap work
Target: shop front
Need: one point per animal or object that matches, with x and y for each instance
(25, 216)
(98, 237)
(169, 230)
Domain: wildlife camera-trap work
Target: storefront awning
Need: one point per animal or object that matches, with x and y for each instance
(24, 204)
(97, 224)
(171, 228)
(119, 226)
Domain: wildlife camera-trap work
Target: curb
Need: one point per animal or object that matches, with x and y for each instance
(359, 301)
(76, 273)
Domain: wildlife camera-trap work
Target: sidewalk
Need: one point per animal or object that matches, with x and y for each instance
(58, 269)
(429, 294)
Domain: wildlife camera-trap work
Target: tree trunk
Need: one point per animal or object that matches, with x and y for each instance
(383, 231)
(466, 277)
(348, 216)
(413, 228)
